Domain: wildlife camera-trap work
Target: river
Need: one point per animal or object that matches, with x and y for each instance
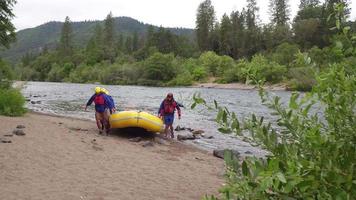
(68, 99)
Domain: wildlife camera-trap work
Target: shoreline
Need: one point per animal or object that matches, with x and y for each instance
(66, 158)
(240, 86)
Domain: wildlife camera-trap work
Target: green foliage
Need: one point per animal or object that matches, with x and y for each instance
(235, 73)
(11, 102)
(159, 67)
(204, 25)
(66, 40)
(311, 145)
(7, 29)
(311, 156)
(285, 54)
(261, 69)
(210, 61)
(6, 75)
(182, 79)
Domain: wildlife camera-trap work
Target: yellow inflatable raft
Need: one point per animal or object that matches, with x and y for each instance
(139, 119)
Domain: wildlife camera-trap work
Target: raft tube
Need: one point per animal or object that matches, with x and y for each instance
(126, 119)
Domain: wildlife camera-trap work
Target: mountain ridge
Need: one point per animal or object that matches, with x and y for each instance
(47, 35)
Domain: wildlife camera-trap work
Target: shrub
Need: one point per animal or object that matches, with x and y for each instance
(210, 61)
(261, 69)
(159, 67)
(235, 74)
(182, 79)
(311, 155)
(11, 102)
(301, 79)
(285, 53)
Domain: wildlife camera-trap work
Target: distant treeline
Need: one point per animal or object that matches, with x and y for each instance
(230, 50)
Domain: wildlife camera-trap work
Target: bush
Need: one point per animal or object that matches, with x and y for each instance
(210, 61)
(159, 67)
(11, 102)
(311, 155)
(301, 79)
(285, 54)
(182, 79)
(235, 74)
(261, 69)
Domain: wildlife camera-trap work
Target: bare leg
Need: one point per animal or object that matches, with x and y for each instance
(166, 130)
(172, 133)
(99, 123)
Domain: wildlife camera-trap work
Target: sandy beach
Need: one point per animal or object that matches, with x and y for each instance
(65, 158)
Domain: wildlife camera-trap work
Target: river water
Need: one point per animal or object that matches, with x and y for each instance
(68, 99)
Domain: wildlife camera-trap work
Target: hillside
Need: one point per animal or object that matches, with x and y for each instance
(47, 35)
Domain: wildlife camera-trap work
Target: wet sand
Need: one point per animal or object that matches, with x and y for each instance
(65, 158)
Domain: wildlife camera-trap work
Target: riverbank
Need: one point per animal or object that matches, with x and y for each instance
(240, 86)
(65, 158)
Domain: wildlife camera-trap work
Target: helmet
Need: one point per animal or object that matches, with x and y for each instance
(97, 90)
(105, 91)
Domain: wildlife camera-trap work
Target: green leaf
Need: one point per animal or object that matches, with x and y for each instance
(245, 169)
(281, 177)
(216, 104)
(193, 105)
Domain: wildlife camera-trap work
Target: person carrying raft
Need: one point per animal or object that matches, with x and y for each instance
(102, 104)
(166, 111)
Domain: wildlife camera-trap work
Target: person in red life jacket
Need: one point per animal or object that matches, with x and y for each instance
(102, 104)
(166, 111)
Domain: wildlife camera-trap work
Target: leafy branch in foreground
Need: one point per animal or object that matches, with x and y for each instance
(312, 153)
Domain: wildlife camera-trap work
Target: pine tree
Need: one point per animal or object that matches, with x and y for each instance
(279, 10)
(66, 45)
(225, 35)
(135, 41)
(7, 29)
(308, 3)
(237, 29)
(109, 42)
(205, 24)
(252, 14)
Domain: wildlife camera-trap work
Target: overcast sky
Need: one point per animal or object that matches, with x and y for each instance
(168, 13)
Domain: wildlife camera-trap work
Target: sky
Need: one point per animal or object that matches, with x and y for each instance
(168, 13)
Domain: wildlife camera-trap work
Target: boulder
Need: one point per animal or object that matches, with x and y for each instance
(197, 132)
(5, 140)
(178, 128)
(221, 152)
(20, 126)
(19, 132)
(186, 137)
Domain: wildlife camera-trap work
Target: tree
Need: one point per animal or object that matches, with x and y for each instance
(279, 10)
(237, 34)
(205, 24)
(252, 14)
(308, 3)
(94, 49)
(135, 41)
(7, 29)
(109, 42)
(66, 45)
(225, 35)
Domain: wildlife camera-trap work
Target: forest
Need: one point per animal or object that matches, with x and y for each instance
(287, 51)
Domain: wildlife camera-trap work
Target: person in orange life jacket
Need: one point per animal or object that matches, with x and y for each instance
(166, 111)
(102, 103)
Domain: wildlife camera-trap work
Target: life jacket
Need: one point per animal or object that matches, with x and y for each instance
(169, 107)
(99, 100)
